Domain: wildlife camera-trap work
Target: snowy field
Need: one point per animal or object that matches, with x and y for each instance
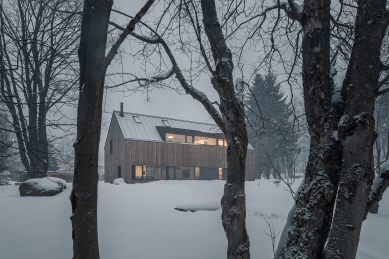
(139, 221)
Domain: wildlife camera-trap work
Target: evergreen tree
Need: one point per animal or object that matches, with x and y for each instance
(269, 127)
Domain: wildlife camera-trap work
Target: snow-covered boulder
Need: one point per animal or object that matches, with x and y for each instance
(39, 187)
(59, 181)
(118, 181)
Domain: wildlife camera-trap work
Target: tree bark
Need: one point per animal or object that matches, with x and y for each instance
(93, 40)
(234, 200)
(93, 67)
(313, 214)
(356, 129)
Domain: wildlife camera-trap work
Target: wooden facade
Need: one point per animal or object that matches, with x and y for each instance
(121, 154)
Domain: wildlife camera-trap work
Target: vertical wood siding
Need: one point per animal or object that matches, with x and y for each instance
(127, 152)
(117, 158)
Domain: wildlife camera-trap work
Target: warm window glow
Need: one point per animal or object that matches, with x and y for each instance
(205, 141)
(175, 137)
(197, 172)
(138, 172)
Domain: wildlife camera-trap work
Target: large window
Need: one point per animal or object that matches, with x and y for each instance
(175, 137)
(151, 172)
(184, 172)
(147, 172)
(205, 141)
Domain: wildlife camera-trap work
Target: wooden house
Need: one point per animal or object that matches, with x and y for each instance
(141, 148)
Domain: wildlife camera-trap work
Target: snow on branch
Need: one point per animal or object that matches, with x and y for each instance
(291, 8)
(143, 81)
(378, 187)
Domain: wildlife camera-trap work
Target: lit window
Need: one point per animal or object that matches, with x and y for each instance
(197, 172)
(175, 137)
(205, 141)
(220, 142)
(166, 123)
(189, 139)
(138, 172)
(136, 119)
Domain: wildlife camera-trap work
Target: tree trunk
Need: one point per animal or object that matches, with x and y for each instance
(234, 200)
(93, 67)
(356, 129)
(84, 194)
(312, 218)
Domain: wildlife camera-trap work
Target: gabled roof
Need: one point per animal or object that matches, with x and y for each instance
(146, 130)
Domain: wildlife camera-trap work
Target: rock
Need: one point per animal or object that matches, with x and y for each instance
(119, 181)
(62, 183)
(39, 187)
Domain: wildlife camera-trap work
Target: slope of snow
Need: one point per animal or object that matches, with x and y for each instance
(139, 221)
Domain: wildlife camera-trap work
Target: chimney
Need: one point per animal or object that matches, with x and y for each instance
(121, 114)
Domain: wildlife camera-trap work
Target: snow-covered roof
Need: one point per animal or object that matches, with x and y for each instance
(146, 129)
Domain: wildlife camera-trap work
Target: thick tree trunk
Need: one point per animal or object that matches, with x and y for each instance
(84, 194)
(234, 200)
(93, 67)
(313, 213)
(356, 129)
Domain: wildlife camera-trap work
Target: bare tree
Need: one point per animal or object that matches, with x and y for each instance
(6, 148)
(341, 125)
(216, 59)
(38, 70)
(93, 67)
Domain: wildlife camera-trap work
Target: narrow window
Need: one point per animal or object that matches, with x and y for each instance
(110, 146)
(137, 172)
(119, 171)
(197, 173)
(136, 119)
(166, 123)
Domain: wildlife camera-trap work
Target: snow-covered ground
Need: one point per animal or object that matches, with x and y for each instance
(139, 221)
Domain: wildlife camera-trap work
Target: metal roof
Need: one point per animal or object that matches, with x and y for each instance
(146, 130)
